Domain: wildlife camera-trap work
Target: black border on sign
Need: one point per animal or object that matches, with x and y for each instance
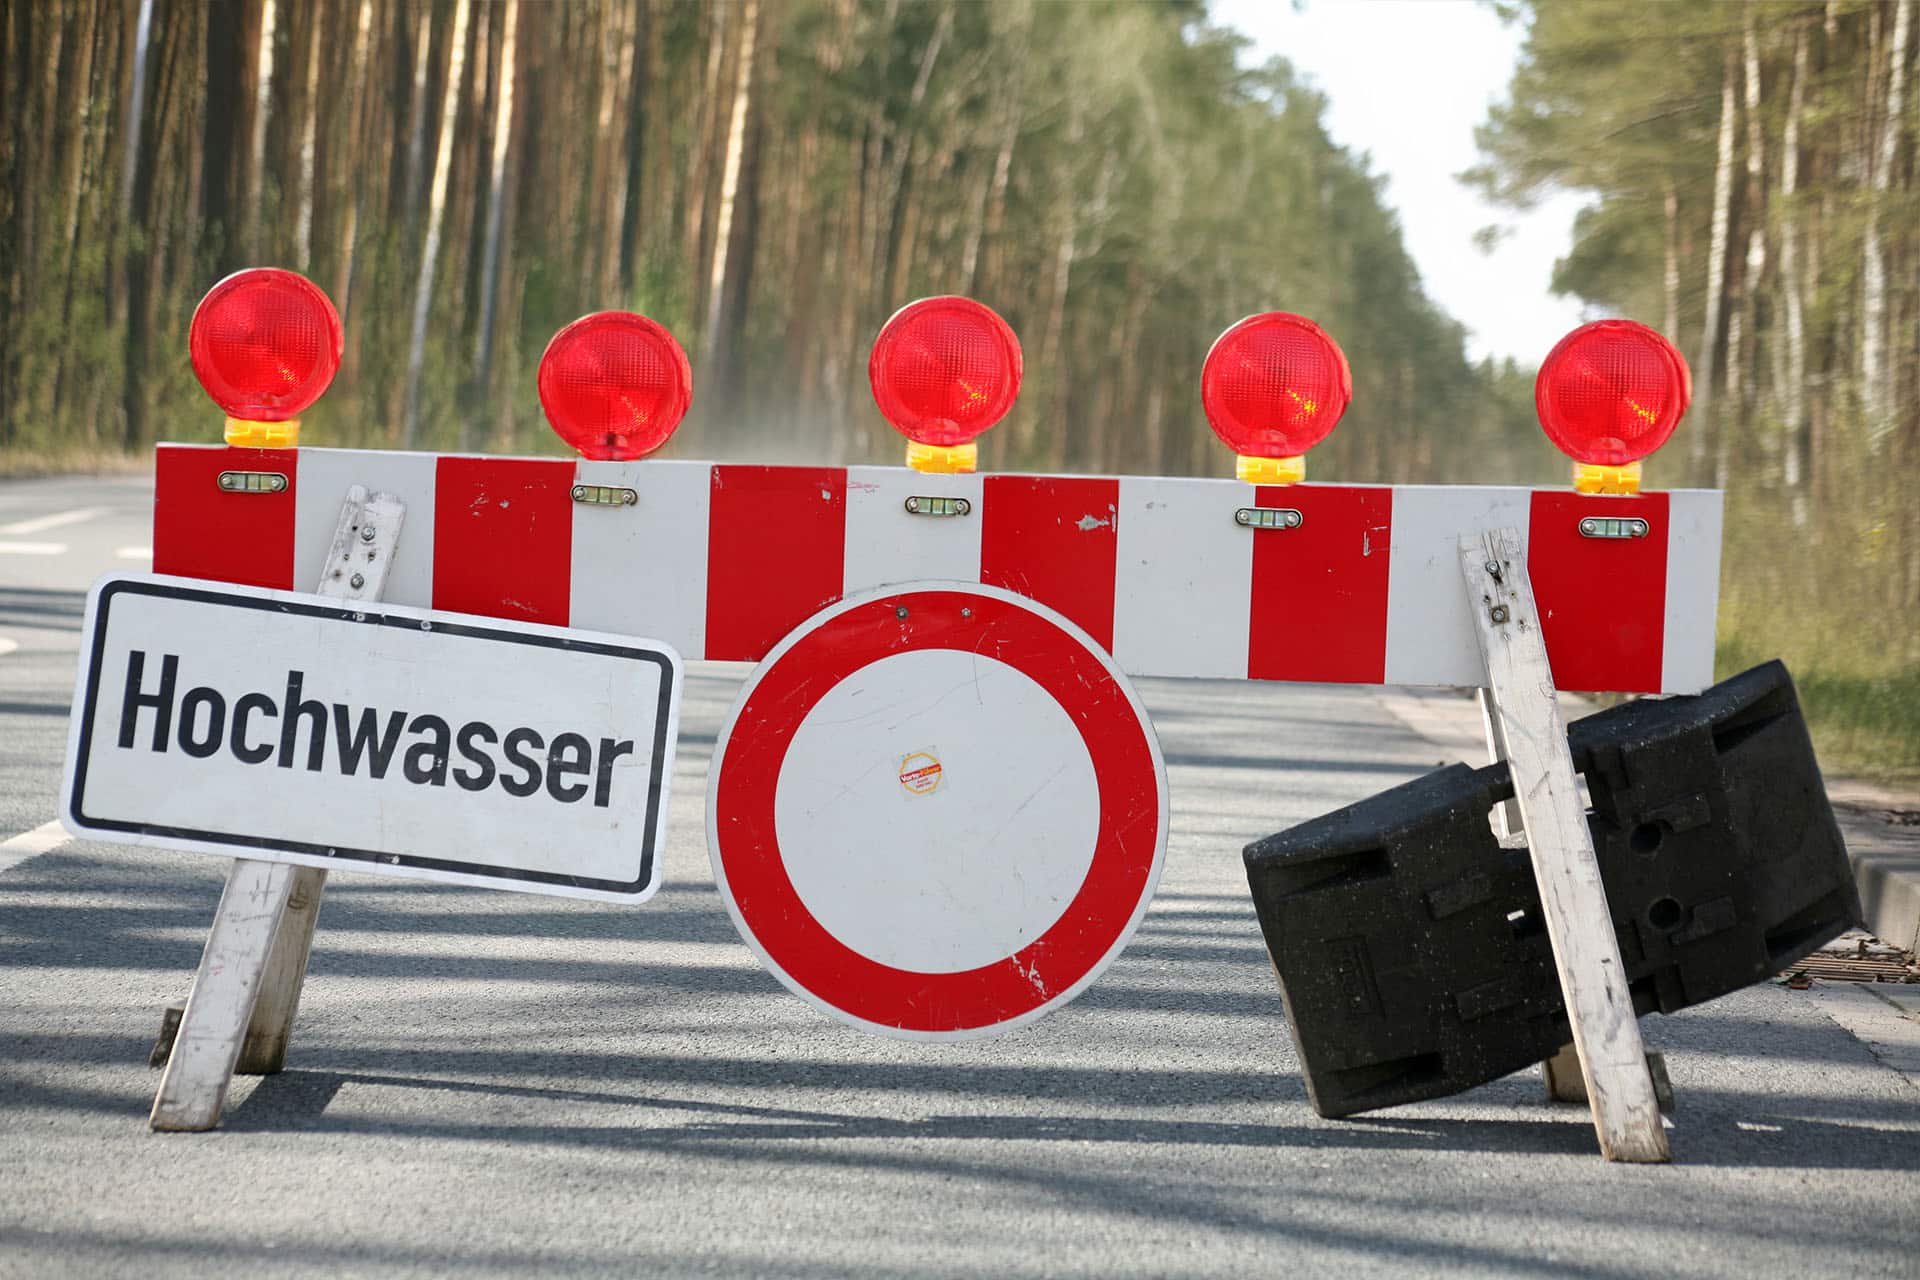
(368, 615)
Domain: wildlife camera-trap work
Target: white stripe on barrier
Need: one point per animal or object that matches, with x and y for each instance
(886, 544)
(1693, 589)
(642, 570)
(1182, 595)
(325, 475)
(1430, 638)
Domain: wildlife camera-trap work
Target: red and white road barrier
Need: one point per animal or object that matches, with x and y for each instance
(722, 561)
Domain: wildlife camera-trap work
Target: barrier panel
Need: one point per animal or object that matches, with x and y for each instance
(1173, 576)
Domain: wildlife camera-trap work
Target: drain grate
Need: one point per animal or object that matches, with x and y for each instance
(1855, 957)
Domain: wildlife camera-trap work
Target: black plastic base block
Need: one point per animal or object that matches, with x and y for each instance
(1409, 944)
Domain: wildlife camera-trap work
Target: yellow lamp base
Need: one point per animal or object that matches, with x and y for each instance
(942, 460)
(244, 434)
(1254, 470)
(1591, 477)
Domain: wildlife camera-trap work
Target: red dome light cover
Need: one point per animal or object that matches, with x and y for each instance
(1274, 385)
(1611, 392)
(265, 343)
(614, 385)
(944, 369)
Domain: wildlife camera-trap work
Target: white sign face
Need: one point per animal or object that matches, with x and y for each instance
(289, 728)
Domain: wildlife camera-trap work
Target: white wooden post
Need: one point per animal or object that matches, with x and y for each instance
(1526, 713)
(1561, 1072)
(255, 960)
(264, 1051)
(1506, 815)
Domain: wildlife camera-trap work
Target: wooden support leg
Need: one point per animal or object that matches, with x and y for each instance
(1506, 815)
(240, 1015)
(1561, 1075)
(1561, 1072)
(265, 1049)
(1606, 1035)
(200, 1066)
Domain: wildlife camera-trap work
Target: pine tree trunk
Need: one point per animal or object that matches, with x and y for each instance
(356, 119)
(639, 148)
(436, 209)
(698, 179)
(1877, 370)
(496, 193)
(1739, 364)
(76, 190)
(309, 127)
(892, 272)
(232, 60)
(136, 99)
(1716, 259)
(176, 26)
(257, 148)
(1670, 274)
(417, 113)
(75, 106)
(717, 353)
(1792, 382)
(991, 270)
(1066, 230)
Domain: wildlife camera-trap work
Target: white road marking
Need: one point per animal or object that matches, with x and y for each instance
(40, 524)
(44, 838)
(134, 553)
(32, 548)
(7, 646)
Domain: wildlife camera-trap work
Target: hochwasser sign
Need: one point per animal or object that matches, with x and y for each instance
(272, 725)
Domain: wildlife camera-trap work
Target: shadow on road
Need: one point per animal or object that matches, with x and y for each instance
(45, 610)
(638, 985)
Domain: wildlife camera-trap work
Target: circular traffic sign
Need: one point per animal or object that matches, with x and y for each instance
(937, 811)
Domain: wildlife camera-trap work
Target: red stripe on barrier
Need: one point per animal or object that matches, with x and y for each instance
(1602, 601)
(776, 544)
(503, 538)
(1055, 541)
(1320, 590)
(203, 531)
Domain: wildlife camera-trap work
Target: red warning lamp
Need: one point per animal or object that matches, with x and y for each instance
(943, 370)
(1273, 386)
(265, 343)
(1609, 394)
(614, 385)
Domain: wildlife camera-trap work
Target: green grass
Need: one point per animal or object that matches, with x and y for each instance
(1864, 725)
(16, 463)
(1832, 596)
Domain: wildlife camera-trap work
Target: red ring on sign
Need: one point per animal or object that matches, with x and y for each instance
(1124, 850)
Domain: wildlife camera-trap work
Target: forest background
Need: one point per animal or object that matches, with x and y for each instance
(772, 178)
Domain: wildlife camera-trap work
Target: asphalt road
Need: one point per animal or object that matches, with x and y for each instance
(488, 1083)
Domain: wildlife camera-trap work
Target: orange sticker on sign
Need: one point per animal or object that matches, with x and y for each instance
(920, 773)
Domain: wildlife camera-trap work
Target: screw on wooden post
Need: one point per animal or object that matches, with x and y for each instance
(1524, 709)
